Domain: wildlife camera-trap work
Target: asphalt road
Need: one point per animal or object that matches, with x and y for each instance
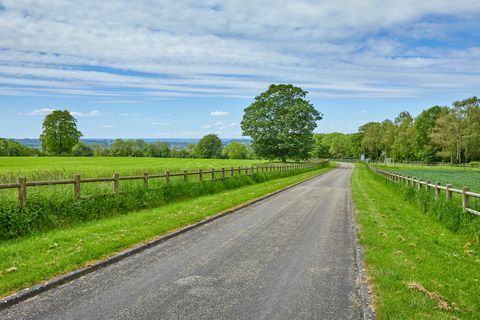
(291, 256)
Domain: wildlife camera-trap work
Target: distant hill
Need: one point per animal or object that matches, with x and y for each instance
(177, 143)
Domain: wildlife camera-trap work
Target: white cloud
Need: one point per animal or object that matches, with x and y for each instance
(207, 126)
(93, 113)
(107, 126)
(37, 112)
(219, 113)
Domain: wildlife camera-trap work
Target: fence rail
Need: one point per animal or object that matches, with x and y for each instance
(22, 183)
(428, 185)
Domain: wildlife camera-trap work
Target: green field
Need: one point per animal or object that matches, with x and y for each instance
(422, 255)
(50, 168)
(458, 177)
(29, 260)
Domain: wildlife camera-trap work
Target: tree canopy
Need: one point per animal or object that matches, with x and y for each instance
(210, 146)
(60, 133)
(281, 122)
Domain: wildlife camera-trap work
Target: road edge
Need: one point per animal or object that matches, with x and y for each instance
(368, 312)
(35, 290)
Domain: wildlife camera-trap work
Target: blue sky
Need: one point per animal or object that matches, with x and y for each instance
(163, 69)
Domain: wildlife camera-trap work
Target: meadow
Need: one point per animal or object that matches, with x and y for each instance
(56, 168)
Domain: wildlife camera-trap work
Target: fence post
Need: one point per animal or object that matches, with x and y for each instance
(185, 175)
(76, 186)
(437, 190)
(213, 174)
(223, 173)
(116, 182)
(239, 171)
(419, 184)
(200, 175)
(167, 176)
(465, 198)
(22, 191)
(231, 172)
(448, 192)
(428, 185)
(145, 180)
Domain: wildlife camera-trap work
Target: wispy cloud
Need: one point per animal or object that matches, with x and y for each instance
(219, 113)
(93, 113)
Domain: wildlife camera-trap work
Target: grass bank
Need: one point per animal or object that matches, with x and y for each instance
(421, 265)
(29, 260)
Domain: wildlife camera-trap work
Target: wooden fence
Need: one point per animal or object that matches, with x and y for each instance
(428, 185)
(22, 183)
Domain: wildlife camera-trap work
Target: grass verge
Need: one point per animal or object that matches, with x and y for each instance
(419, 266)
(27, 261)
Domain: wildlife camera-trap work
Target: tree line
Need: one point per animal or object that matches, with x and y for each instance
(439, 133)
(210, 146)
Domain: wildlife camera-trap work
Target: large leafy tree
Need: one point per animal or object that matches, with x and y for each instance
(281, 123)
(210, 146)
(60, 133)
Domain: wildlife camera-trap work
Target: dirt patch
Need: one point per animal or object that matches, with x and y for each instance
(442, 303)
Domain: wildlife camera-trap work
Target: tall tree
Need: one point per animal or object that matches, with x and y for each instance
(281, 123)
(60, 133)
(424, 124)
(210, 146)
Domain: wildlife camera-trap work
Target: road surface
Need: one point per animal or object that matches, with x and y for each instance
(291, 256)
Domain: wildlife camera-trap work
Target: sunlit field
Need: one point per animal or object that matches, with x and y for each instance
(50, 168)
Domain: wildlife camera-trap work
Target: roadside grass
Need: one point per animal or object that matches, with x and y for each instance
(57, 168)
(421, 264)
(55, 207)
(30, 260)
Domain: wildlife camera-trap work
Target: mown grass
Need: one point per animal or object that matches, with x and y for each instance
(29, 260)
(422, 256)
(53, 168)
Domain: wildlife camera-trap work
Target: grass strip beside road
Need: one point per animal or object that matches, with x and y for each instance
(28, 261)
(418, 268)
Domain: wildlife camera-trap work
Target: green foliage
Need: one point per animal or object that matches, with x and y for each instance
(9, 148)
(60, 133)
(438, 133)
(281, 123)
(209, 147)
(336, 145)
(236, 150)
(82, 149)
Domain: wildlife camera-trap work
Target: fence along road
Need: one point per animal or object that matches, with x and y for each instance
(449, 190)
(291, 256)
(212, 174)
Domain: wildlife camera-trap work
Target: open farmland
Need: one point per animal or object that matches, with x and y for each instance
(458, 177)
(51, 168)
